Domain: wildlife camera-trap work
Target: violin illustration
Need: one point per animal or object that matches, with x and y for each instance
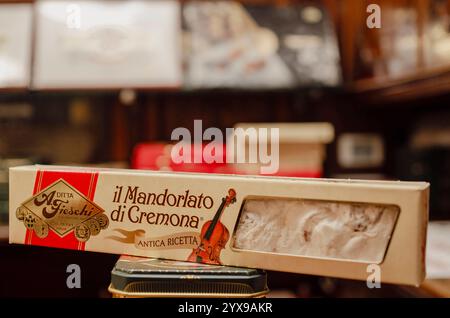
(214, 235)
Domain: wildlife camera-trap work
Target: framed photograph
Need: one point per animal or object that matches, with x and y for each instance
(107, 44)
(226, 47)
(15, 45)
(308, 42)
(229, 44)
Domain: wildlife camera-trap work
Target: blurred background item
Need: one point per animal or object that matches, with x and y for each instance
(302, 152)
(157, 156)
(359, 150)
(15, 44)
(227, 48)
(104, 44)
(5, 164)
(230, 44)
(302, 148)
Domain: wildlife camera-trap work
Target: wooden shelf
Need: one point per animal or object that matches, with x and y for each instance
(426, 83)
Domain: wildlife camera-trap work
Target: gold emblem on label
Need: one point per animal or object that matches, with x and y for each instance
(40, 228)
(94, 226)
(20, 213)
(102, 220)
(29, 220)
(82, 233)
(62, 209)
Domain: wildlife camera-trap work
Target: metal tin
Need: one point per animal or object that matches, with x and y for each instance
(149, 277)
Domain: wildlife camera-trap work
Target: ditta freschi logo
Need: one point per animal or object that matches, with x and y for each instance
(62, 209)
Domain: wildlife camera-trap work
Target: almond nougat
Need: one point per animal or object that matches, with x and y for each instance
(353, 231)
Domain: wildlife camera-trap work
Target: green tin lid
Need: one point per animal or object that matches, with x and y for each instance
(150, 277)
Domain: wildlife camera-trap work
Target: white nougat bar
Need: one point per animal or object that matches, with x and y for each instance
(316, 228)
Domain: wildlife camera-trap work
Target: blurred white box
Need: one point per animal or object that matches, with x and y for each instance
(360, 150)
(15, 45)
(302, 148)
(107, 44)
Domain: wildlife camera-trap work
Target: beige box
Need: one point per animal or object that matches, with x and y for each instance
(350, 229)
(302, 147)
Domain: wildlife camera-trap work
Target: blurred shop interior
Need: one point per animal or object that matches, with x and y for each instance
(104, 83)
